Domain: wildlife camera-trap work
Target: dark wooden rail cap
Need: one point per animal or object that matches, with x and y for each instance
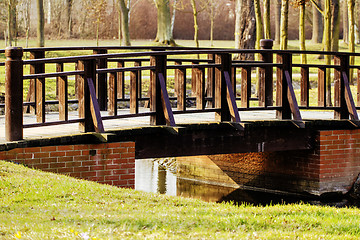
(14, 52)
(266, 43)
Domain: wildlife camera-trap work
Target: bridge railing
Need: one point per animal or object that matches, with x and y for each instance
(156, 84)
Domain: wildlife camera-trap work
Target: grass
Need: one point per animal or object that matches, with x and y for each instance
(38, 205)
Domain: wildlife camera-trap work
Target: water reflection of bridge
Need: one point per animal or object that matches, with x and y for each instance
(182, 102)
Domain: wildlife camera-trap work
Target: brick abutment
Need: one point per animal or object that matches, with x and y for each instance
(108, 163)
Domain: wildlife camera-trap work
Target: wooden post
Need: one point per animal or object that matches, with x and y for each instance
(62, 83)
(224, 60)
(282, 86)
(112, 104)
(89, 68)
(339, 86)
(156, 106)
(13, 94)
(101, 82)
(266, 75)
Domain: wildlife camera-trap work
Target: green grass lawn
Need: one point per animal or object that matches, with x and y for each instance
(38, 205)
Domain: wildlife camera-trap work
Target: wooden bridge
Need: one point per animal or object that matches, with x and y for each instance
(150, 93)
(103, 80)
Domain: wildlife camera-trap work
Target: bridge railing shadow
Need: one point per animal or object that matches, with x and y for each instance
(161, 82)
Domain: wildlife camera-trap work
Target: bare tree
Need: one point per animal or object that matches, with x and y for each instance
(97, 10)
(40, 23)
(125, 11)
(317, 24)
(245, 26)
(164, 34)
(12, 22)
(69, 19)
(267, 30)
(277, 20)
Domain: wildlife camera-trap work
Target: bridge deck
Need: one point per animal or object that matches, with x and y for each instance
(118, 124)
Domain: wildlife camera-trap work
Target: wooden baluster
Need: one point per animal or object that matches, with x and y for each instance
(210, 89)
(322, 87)
(200, 87)
(282, 86)
(305, 85)
(34, 69)
(194, 78)
(180, 86)
(245, 86)
(121, 80)
(358, 88)
(62, 83)
(40, 98)
(112, 104)
(101, 81)
(134, 93)
(224, 60)
(137, 63)
(13, 94)
(266, 75)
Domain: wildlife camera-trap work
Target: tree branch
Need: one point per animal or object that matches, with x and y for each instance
(317, 7)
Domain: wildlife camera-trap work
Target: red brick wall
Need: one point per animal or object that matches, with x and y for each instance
(332, 166)
(339, 158)
(108, 163)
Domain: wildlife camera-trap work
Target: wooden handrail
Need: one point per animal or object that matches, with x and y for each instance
(213, 84)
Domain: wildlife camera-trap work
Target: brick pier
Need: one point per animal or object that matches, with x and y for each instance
(107, 163)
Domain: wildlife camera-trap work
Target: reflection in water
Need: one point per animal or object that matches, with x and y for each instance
(152, 177)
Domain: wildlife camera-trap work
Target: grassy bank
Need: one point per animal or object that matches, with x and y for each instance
(37, 205)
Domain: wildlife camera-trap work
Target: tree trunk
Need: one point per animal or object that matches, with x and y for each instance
(327, 47)
(277, 21)
(12, 25)
(302, 31)
(245, 27)
(267, 29)
(284, 24)
(196, 25)
(335, 26)
(317, 25)
(164, 35)
(124, 23)
(351, 4)
(40, 24)
(259, 25)
(69, 17)
(173, 18)
(212, 18)
(345, 24)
